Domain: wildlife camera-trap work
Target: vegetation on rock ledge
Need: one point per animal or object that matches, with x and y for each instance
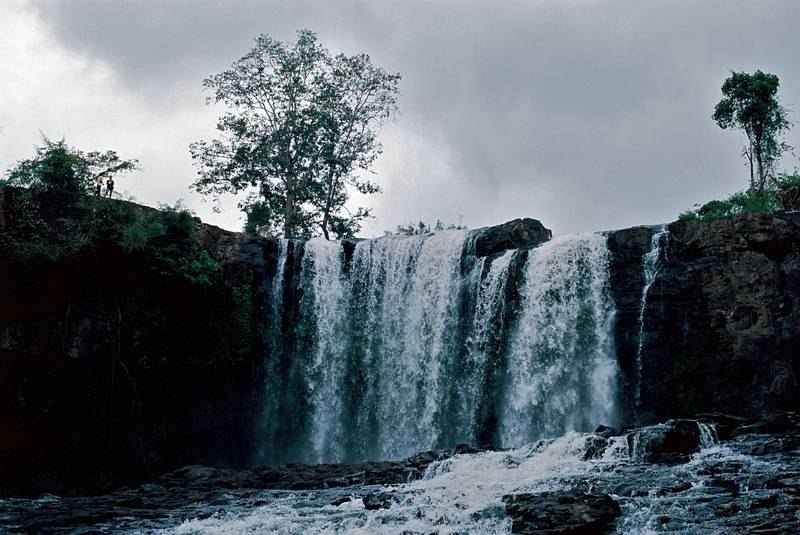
(59, 226)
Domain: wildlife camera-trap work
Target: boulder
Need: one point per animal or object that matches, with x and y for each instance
(668, 443)
(381, 500)
(512, 235)
(561, 513)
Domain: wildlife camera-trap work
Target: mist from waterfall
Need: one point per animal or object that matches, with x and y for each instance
(405, 343)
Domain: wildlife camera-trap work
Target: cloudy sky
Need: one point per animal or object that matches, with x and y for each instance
(586, 115)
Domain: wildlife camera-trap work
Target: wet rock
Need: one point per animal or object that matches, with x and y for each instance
(595, 447)
(668, 443)
(512, 235)
(561, 513)
(771, 424)
(767, 501)
(373, 502)
(724, 424)
(674, 488)
(339, 501)
(723, 484)
(606, 431)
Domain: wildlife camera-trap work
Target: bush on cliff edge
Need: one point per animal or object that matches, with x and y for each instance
(57, 226)
(744, 202)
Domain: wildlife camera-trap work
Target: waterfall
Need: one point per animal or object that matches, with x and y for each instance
(482, 342)
(561, 370)
(651, 264)
(413, 286)
(407, 343)
(270, 419)
(322, 266)
(277, 284)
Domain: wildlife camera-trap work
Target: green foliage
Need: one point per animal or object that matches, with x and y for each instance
(742, 202)
(29, 239)
(787, 181)
(168, 238)
(414, 229)
(58, 166)
(750, 103)
(165, 240)
(301, 126)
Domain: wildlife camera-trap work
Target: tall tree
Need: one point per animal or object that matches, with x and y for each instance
(750, 103)
(300, 127)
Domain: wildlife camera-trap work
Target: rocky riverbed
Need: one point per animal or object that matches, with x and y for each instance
(714, 474)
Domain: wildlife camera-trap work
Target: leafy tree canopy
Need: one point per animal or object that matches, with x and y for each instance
(300, 130)
(57, 165)
(750, 103)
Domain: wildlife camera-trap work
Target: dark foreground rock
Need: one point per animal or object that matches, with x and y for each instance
(512, 235)
(670, 442)
(215, 489)
(565, 513)
(309, 476)
(750, 485)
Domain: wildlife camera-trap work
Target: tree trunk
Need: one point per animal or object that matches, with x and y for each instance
(288, 209)
(327, 210)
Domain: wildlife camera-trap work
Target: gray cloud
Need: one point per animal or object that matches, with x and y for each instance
(586, 115)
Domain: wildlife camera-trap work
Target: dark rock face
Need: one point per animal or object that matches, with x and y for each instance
(110, 372)
(721, 327)
(671, 442)
(561, 512)
(512, 235)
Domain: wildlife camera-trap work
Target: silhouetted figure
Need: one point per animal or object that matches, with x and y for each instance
(98, 188)
(109, 186)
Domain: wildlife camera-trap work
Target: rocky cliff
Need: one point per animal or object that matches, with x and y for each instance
(112, 370)
(140, 347)
(721, 322)
(132, 342)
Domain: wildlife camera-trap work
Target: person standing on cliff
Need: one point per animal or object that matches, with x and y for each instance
(110, 186)
(98, 188)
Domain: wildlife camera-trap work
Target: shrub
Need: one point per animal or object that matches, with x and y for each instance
(71, 226)
(58, 166)
(742, 202)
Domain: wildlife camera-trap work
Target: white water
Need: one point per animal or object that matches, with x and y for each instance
(277, 282)
(413, 284)
(561, 370)
(412, 346)
(464, 494)
(322, 265)
(491, 298)
(651, 265)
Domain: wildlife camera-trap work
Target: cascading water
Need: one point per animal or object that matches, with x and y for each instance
(561, 370)
(406, 343)
(651, 264)
(271, 405)
(465, 493)
(322, 267)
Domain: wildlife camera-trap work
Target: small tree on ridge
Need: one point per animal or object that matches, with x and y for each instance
(750, 103)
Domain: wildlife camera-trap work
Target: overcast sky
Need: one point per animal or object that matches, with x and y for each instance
(585, 115)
